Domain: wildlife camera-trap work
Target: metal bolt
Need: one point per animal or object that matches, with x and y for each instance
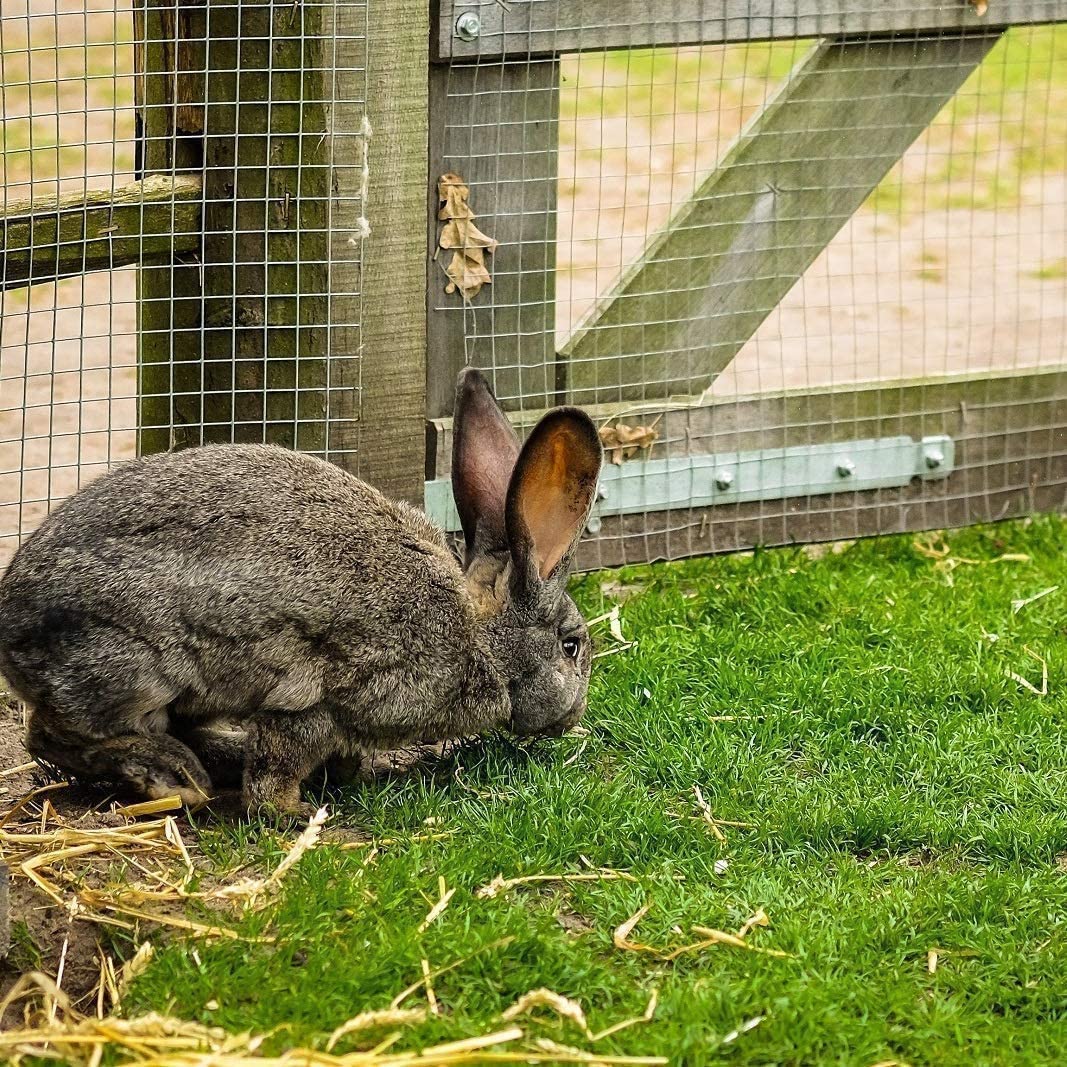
(723, 480)
(593, 525)
(468, 26)
(845, 468)
(934, 458)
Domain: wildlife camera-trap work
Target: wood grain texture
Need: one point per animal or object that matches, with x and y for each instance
(348, 150)
(392, 435)
(552, 27)
(498, 128)
(266, 185)
(1010, 436)
(169, 41)
(144, 222)
(792, 179)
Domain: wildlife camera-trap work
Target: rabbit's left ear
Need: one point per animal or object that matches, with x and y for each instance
(550, 496)
(484, 451)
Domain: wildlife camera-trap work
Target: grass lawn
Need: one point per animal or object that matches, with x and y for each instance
(905, 794)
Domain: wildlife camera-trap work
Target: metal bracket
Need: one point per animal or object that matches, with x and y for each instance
(697, 481)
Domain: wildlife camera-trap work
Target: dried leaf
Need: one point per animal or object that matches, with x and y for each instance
(623, 442)
(621, 935)
(454, 193)
(465, 235)
(980, 7)
(467, 271)
(759, 919)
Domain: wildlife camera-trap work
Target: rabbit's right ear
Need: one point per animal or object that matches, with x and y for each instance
(484, 451)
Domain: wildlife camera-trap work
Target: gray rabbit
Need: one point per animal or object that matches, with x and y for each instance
(249, 584)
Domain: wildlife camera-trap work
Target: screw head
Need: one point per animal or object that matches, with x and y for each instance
(934, 458)
(723, 480)
(845, 468)
(468, 26)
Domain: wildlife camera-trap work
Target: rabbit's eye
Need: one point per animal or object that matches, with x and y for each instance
(570, 647)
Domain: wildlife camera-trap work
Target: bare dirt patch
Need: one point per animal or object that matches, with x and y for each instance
(44, 936)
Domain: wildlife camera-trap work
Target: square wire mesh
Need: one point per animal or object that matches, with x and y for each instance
(184, 184)
(774, 245)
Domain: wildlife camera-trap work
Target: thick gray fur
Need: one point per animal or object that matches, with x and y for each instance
(251, 585)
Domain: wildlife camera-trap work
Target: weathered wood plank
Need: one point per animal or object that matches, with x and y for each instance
(792, 179)
(539, 28)
(392, 438)
(1011, 459)
(144, 222)
(265, 266)
(348, 148)
(169, 42)
(498, 128)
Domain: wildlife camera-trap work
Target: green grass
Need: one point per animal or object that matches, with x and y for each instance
(905, 793)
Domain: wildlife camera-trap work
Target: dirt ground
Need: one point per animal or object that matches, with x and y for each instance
(43, 935)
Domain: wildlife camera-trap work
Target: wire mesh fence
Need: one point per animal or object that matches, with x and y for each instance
(808, 271)
(184, 187)
(773, 261)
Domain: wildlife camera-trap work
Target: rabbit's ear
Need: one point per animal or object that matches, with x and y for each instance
(550, 496)
(484, 451)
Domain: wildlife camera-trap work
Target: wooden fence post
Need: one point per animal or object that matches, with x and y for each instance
(168, 55)
(392, 427)
(503, 120)
(266, 184)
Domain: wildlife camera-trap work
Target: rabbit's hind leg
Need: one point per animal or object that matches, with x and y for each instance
(155, 765)
(220, 750)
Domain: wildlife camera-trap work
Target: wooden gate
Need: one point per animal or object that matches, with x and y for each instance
(285, 221)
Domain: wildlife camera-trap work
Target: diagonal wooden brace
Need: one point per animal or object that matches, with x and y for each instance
(793, 178)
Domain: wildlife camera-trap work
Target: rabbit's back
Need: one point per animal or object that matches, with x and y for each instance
(231, 578)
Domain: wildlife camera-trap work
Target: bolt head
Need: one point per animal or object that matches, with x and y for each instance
(468, 26)
(723, 480)
(845, 468)
(934, 458)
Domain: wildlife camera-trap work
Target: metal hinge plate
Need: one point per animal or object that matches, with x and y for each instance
(698, 481)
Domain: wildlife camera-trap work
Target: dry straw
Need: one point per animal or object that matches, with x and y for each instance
(67, 862)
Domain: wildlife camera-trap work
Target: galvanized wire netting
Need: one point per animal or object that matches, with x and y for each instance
(809, 288)
(191, 151)
(744, 271)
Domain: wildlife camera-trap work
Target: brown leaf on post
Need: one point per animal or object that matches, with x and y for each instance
(624, 442)
(467, 270)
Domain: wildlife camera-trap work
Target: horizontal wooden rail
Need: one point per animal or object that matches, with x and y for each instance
(146, 222)
(1010, 460)
(540, 28)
